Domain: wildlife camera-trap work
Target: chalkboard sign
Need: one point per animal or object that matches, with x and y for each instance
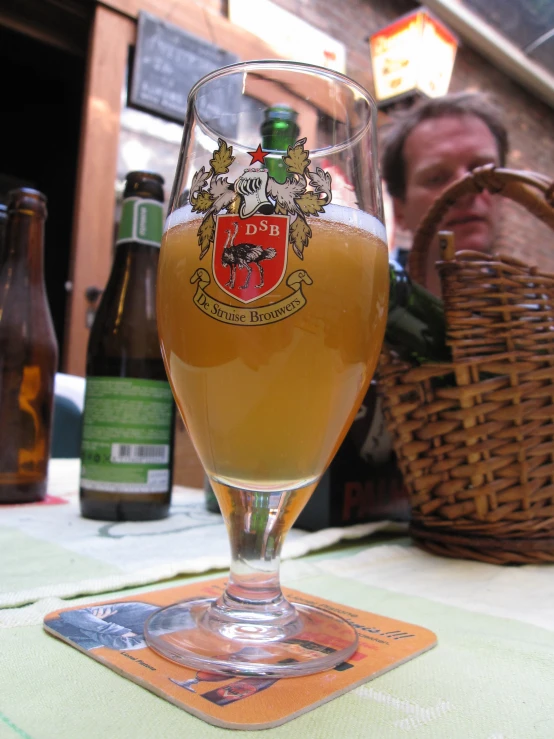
(167, 63)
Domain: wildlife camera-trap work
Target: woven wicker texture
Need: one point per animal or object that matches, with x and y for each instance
(475, 438)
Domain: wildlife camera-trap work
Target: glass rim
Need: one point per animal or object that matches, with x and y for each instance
(284, 64)
(252, 65)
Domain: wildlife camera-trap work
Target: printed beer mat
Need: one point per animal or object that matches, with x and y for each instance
(111, 632)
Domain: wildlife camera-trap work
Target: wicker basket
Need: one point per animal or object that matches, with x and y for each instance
(475, 438)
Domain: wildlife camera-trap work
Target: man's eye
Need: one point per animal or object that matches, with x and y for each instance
(438, 178)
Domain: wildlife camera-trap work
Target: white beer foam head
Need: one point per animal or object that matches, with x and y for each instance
(181, 215)
(337, 213)
(355, 218)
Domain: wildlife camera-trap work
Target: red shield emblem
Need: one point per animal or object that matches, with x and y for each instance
(250, 255)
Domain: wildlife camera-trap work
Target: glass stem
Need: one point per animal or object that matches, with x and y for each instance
(257, 525)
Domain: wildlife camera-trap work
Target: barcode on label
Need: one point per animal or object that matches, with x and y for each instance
(140, 453)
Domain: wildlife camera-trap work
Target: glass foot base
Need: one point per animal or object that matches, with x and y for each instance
(195, 634)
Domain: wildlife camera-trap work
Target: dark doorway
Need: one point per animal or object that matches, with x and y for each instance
(42, 96)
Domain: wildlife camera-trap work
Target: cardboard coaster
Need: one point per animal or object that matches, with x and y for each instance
(111, 632)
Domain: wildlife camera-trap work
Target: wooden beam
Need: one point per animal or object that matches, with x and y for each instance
(93, 227)
(219, 31)
(207, 25)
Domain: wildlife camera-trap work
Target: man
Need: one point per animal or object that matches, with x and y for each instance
(430, 146)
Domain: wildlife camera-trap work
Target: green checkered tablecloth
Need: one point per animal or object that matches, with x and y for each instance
(490, 677)
(49, 550)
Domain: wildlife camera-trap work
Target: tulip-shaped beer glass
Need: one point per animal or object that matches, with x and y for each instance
(272, 300)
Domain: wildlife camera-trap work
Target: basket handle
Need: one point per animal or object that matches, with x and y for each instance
(513, 184)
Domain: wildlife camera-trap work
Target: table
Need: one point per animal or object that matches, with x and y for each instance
(491, 676)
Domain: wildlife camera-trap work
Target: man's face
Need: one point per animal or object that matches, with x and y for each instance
(436, 153)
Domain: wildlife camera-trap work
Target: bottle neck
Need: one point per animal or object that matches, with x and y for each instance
(135, 268)
(25, 246)
(405, 293)
(416, 326)
(277, 136)
(132, 283)
(141, 222)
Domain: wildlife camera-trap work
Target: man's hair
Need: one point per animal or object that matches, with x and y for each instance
(393, 164)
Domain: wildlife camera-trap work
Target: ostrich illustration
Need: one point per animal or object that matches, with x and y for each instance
(242, 256)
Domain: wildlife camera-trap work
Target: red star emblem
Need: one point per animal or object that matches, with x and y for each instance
(258, 156)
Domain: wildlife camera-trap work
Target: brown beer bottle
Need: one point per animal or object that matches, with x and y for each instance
(28, 353)
(128, 425)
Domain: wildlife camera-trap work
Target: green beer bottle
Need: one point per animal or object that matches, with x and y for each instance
(416, 327)
(356, 488)
(279, 131)
(128, 426)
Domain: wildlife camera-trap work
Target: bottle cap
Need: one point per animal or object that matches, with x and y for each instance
(281, 111)
(144, 184)
(27, 200)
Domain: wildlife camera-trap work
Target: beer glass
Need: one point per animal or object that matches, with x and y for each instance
(272, 300)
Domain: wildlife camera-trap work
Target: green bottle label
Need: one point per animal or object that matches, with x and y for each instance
(142, 221)
(127, 432)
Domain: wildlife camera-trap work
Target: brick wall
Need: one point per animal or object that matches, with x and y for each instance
(529, 121)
